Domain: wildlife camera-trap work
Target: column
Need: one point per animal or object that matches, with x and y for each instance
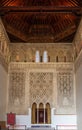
(44, 114)
(37, 115)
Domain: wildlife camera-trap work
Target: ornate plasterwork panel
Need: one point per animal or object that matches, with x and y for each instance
(16, 97)
(65, 88)
(4, 47)
(17, 88)
(41, 87)
(26, 52)
(41, 83)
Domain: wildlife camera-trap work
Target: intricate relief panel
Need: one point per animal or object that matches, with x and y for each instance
(17, 88)
(41, 87)
(26, 52)
(50, 82)
(4, 47)
(65, 88)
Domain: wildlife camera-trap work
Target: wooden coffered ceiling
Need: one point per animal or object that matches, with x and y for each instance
(35, 21)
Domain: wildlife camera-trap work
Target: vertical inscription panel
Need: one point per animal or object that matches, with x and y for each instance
(65, 88)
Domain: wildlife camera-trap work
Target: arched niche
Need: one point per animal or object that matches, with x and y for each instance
(41, 115)
(33, 115)
(41, 106)
(48, 112)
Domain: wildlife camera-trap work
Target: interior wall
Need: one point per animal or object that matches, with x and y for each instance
(77, 42)
(79, 95)
(3, 89)
(78, 73)
(55, 52)
(41, 83)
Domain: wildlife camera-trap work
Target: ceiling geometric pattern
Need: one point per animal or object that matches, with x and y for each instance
(41, 21)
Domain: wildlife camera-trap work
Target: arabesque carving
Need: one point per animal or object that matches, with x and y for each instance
(39, 82)
(41, 87)
(65, 88)
(4, 47)
(17, 88)
(26, 52)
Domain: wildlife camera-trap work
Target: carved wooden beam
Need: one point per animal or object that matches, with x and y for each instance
(55, 38)
(65, 33)
(16, 33)
(39, 9)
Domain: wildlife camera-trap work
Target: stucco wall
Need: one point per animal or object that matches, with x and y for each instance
(79, 91)
(50, 82)
(56, 52)
(3, 89)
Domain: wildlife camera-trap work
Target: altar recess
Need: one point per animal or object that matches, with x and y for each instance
(41, 114)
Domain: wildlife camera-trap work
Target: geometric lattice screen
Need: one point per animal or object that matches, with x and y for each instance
(41, 87)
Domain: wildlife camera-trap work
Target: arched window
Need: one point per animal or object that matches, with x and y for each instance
(45, 56)
(37, 56)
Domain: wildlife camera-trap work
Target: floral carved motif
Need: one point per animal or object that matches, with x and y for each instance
(41, 84)
(17, 88)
